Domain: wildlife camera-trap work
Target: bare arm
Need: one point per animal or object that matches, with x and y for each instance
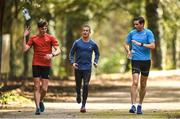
(54, 53)
(57, 51)
(25, 46)
(150, 46)
(127, 48)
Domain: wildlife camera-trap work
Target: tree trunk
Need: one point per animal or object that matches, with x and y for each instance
(2, 5)
(68, 45)
(14, 26)
(178, 49)
(152, 19)
(174, 49)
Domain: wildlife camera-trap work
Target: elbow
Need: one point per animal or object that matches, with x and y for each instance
(153, 47)
(58, 52)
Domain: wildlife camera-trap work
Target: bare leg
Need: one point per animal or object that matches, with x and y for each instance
(134, 87)
(44, 88)
(37, 91)
(142, 91)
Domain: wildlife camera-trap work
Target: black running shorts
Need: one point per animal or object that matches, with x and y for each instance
(142, 67)
(41, 71)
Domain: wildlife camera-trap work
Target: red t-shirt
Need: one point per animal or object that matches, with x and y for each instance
(42, 45)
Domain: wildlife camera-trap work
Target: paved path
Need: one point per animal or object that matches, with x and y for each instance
(161, 95)
(121, 106)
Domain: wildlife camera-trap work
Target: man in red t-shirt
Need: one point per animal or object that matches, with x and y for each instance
(42, 44)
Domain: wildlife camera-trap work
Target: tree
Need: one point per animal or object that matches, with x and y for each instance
(170, 28)
(2, 4)
(152, 19)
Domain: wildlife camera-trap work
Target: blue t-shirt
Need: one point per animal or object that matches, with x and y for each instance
(139, 52)
(81, 53)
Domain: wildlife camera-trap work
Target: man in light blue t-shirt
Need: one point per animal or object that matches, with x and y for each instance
(138, 44)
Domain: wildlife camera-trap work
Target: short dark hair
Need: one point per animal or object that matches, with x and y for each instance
(86, 25)
(139, 19)
(42, 23)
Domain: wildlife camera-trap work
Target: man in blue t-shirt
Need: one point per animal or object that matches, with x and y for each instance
(138, 44)
(81, 60)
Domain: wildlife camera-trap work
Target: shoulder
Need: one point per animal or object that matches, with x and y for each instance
(92, 41)
(33, 37)
(133, 31)
(50, 36)
(148, 31)
(77, 40)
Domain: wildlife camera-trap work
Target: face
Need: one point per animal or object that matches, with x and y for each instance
(85, 32)
(138, 26)
(42, 30)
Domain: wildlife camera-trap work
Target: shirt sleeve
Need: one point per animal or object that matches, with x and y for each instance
(150, 37)
(55, 41)
(30, 42)
(129, 38)
(72, 52)
(97, 54)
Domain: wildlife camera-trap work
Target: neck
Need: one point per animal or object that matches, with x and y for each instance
(140, 29)
(41, 34)
(85, 39)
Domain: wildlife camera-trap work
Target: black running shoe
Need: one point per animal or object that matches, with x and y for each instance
(78, 99)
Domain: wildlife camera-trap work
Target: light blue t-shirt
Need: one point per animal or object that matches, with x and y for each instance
(140, 52)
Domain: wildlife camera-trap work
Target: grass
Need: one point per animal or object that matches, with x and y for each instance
(12, 98)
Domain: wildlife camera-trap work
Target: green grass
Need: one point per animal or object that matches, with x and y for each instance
(7, 98)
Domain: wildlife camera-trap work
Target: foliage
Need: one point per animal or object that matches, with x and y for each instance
(8, 97)
(109, 65)
(169, 22)
(110, 21)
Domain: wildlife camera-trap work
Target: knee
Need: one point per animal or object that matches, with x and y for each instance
(44, 89)
(36, 88)
(85, 86)
(135, 84)
(143, 86)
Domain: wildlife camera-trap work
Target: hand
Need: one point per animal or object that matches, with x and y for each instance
(27, 31)
(75, 65)
(95, 64)
(137, 43)
(129, 54)
(48, 56)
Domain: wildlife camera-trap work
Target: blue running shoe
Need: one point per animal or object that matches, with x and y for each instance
(133, 109)
(41, 105)
(38, 111)
(139, 109)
